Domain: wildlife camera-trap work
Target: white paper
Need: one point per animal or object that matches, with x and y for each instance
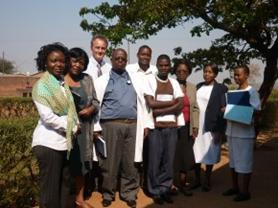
(100, 146)
(165, 118)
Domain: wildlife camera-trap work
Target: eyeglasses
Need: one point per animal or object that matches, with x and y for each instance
(120, 58)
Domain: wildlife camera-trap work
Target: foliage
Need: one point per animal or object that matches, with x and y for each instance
(6, 66)
(17, 107)
(274, 96)
(18, 176)
(250, 29)
(270, 112)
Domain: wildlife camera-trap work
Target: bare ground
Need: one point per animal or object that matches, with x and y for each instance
(264, 184)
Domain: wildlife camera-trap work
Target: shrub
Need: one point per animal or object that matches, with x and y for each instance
(19, 172)
(17, 107)
(270, 112)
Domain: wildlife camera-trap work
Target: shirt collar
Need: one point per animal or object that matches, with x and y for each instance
(148, 71)
(115, 75)
(94, 61)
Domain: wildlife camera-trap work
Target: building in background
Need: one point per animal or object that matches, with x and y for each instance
(17, 85)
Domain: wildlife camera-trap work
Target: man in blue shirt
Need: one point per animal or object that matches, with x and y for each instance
(121, 119)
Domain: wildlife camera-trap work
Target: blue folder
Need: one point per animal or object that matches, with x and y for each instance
(238, 107)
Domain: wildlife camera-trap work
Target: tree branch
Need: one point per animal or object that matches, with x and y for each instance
(254, 42)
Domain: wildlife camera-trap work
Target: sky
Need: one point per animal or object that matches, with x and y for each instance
(27, 25)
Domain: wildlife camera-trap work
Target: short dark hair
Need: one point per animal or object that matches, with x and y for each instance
(143, 47)
(101, 37)
(182, 62)
(163, 56)
(244, 67)
(79, 53)
(213, 67)
(45, 50)
(118, 49)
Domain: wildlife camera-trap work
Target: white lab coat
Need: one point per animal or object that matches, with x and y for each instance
(143, 117)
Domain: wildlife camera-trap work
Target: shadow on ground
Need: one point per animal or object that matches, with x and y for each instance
(264, 186)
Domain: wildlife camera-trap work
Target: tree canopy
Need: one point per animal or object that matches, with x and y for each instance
(6, 66)
(250, 29)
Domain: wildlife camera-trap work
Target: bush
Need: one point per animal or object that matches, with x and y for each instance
(19, 172)
(17, 107)
(270, 112)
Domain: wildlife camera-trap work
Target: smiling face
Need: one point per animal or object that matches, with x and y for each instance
(77, 66)
(182, 72)
(240, 76)
(98, 48)
(119, 59)
(209, 75)
(55, 63)
(144, 58)
(163, 65)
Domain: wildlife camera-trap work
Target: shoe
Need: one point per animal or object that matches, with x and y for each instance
(106, 202)
(230, 192)
(242, 197)
(167, 198)
(195, 186)
(131, 203)
(186, 192)
(206, 188)
(157, 199)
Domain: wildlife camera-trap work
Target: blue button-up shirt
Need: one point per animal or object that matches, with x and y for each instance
(120, 98)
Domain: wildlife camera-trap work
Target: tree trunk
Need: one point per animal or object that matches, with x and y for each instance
(270, 77)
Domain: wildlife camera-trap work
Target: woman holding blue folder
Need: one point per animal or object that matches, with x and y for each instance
(241, 138)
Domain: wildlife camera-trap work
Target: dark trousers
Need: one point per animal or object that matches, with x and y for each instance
(162, 145)
(184, 158)
(54, 177)
(120, 142)
(144, 169)
(93, 180)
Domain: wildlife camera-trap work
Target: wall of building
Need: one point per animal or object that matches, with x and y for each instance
(17, 85)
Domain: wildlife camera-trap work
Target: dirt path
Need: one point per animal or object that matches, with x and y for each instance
(264, 184)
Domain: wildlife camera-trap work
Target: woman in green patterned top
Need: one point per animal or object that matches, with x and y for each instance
(57, 125)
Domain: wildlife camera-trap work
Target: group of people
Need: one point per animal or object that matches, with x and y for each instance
(144, 115)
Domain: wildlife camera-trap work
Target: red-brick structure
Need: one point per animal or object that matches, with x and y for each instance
(17, 85)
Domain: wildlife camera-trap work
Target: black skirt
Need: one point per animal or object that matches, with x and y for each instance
(184, 156)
